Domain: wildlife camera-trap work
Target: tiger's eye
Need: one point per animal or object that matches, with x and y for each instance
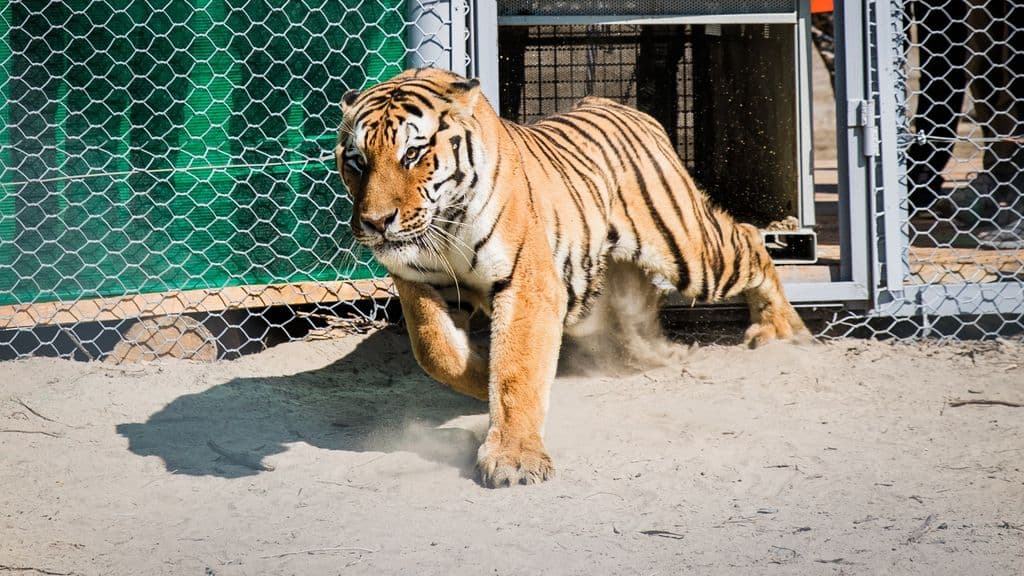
(411, 153)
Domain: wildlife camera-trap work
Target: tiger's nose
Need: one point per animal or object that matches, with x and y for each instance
(379, 224)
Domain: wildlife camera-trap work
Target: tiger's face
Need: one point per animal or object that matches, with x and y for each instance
(405, 152)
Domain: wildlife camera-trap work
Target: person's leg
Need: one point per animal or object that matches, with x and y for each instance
(999, 87)
(996, 196)
(942, 33)
(823, 37)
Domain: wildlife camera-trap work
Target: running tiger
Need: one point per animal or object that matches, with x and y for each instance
(536, 226)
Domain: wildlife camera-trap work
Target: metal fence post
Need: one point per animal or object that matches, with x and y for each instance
(851, 95)
(436, 34)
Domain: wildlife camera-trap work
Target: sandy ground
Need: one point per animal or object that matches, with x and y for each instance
(840, 458)
(343, 458)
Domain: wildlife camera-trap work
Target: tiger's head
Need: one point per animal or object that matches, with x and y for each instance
(408, 151)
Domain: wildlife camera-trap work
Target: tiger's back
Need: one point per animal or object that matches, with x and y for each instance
(611, 188)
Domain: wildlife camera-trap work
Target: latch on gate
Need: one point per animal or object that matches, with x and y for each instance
(861, 114)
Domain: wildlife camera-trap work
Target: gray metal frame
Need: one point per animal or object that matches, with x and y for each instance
(871, 120)
(857, 135)
(855, 147)
(485, 50)
(871, 73)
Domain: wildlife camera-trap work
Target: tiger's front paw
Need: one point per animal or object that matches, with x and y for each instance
(507, 464)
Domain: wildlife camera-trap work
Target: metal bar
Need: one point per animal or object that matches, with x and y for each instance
(767, 18)
(805, 136)
(893, 216)
(192, 301)
(457, 41)
(848, 292)
(484, 46)
(955, 300)
(802, 292)
(8, 228)
(854, 242)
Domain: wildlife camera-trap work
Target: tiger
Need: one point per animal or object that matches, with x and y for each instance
(534, 226)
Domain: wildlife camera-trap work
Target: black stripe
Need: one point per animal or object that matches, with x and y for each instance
(627, 129)
(458, 175)
(493, 185)
(698, 201)
(734, 276)
(567, 274)
(611, 167)
(557, 162)
(705, 287)
(577, 200)
(613, 235)
(412, 109)
(487, 238)
(682, 271)
(410, 86)
(499, 286)
(472, 164)
(558, 233)
(423, 100)
(569, 151)
(587, 136)
(588, 280)
(592, 291)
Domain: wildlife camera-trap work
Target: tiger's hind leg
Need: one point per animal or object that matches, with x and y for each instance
(771, 315)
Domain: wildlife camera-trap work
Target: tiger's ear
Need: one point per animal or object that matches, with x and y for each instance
(465, 94)
(348, 99)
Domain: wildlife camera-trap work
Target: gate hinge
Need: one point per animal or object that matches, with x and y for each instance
(861, 114)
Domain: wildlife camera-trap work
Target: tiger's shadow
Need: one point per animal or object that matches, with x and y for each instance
(375, 398)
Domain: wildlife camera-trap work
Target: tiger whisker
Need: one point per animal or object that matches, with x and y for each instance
(454, 241)
(464, 224)
(431, 244)
(459, 243)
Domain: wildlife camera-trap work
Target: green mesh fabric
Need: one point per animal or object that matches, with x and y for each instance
(176, 145)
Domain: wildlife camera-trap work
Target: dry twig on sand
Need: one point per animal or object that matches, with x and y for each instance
(240, 458)
(921, 530)
(319, 550)
(32, 410)
(5, 567)
(338, 327)
(662, 534)
(984, 402)
(43, 432)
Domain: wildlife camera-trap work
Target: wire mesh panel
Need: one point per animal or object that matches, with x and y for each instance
(176, 158)
(965, 161)
(549, 69)
(949, 179)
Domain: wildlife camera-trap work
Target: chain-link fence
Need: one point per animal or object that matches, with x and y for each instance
(168, 183)
(947, 84)
(174, 160)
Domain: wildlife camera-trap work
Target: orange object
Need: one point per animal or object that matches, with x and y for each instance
(821, 6)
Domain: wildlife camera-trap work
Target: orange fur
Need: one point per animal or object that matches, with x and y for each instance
(521, 222)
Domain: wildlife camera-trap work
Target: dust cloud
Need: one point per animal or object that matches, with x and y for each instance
(623, 331)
